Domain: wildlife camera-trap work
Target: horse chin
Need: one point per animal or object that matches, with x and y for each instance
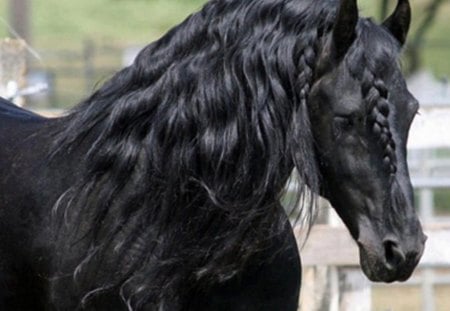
(376, 273)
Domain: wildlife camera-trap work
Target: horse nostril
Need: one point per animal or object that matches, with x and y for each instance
(393, 254)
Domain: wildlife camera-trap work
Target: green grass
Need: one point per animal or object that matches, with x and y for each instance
(128, 21)
(66, 24)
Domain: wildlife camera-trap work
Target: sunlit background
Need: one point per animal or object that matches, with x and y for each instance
(72, 46)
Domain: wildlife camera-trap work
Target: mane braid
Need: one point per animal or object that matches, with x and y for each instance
(374, 91)
(368, 65)
(377, 96)
(189, 151)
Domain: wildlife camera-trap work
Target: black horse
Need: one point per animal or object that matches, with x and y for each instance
(161, 190)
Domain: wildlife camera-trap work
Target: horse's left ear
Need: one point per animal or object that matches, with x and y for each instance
(398, 22)
(344, 29)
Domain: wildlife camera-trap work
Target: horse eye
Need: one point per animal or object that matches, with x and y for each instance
(343, 123)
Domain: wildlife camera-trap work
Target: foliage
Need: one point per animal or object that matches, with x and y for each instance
(428, 43)
(442, 201)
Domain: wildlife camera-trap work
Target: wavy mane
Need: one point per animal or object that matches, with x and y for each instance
(189, 150)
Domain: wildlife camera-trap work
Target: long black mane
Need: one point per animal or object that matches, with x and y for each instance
(189, 151)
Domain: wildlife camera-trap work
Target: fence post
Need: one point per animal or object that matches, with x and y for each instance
(427, 287)
(355, 290)
(12, 68)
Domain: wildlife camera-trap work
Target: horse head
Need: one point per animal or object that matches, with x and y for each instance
(361, 112)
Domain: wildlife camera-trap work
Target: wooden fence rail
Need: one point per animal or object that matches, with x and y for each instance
(333, 246)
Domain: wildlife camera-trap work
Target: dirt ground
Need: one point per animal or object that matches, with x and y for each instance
(407, 298)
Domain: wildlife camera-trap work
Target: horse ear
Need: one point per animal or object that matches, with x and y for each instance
(344, 29)
(398, 22)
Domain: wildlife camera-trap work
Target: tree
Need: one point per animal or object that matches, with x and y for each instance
(19, 15)
(384, 9)
(416, 40)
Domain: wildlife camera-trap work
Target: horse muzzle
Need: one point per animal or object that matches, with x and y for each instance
(391, 258)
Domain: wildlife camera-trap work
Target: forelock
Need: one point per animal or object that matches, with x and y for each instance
(374, 50)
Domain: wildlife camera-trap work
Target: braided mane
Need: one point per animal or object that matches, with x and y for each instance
(370, 65)
(368, 61)
(190, 149)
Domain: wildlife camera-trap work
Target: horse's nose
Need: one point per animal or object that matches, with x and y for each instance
(394, 254)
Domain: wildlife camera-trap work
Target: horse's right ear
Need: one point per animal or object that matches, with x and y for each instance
(398, 22)
(344, 29)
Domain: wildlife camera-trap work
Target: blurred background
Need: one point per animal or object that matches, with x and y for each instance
(73, 46)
